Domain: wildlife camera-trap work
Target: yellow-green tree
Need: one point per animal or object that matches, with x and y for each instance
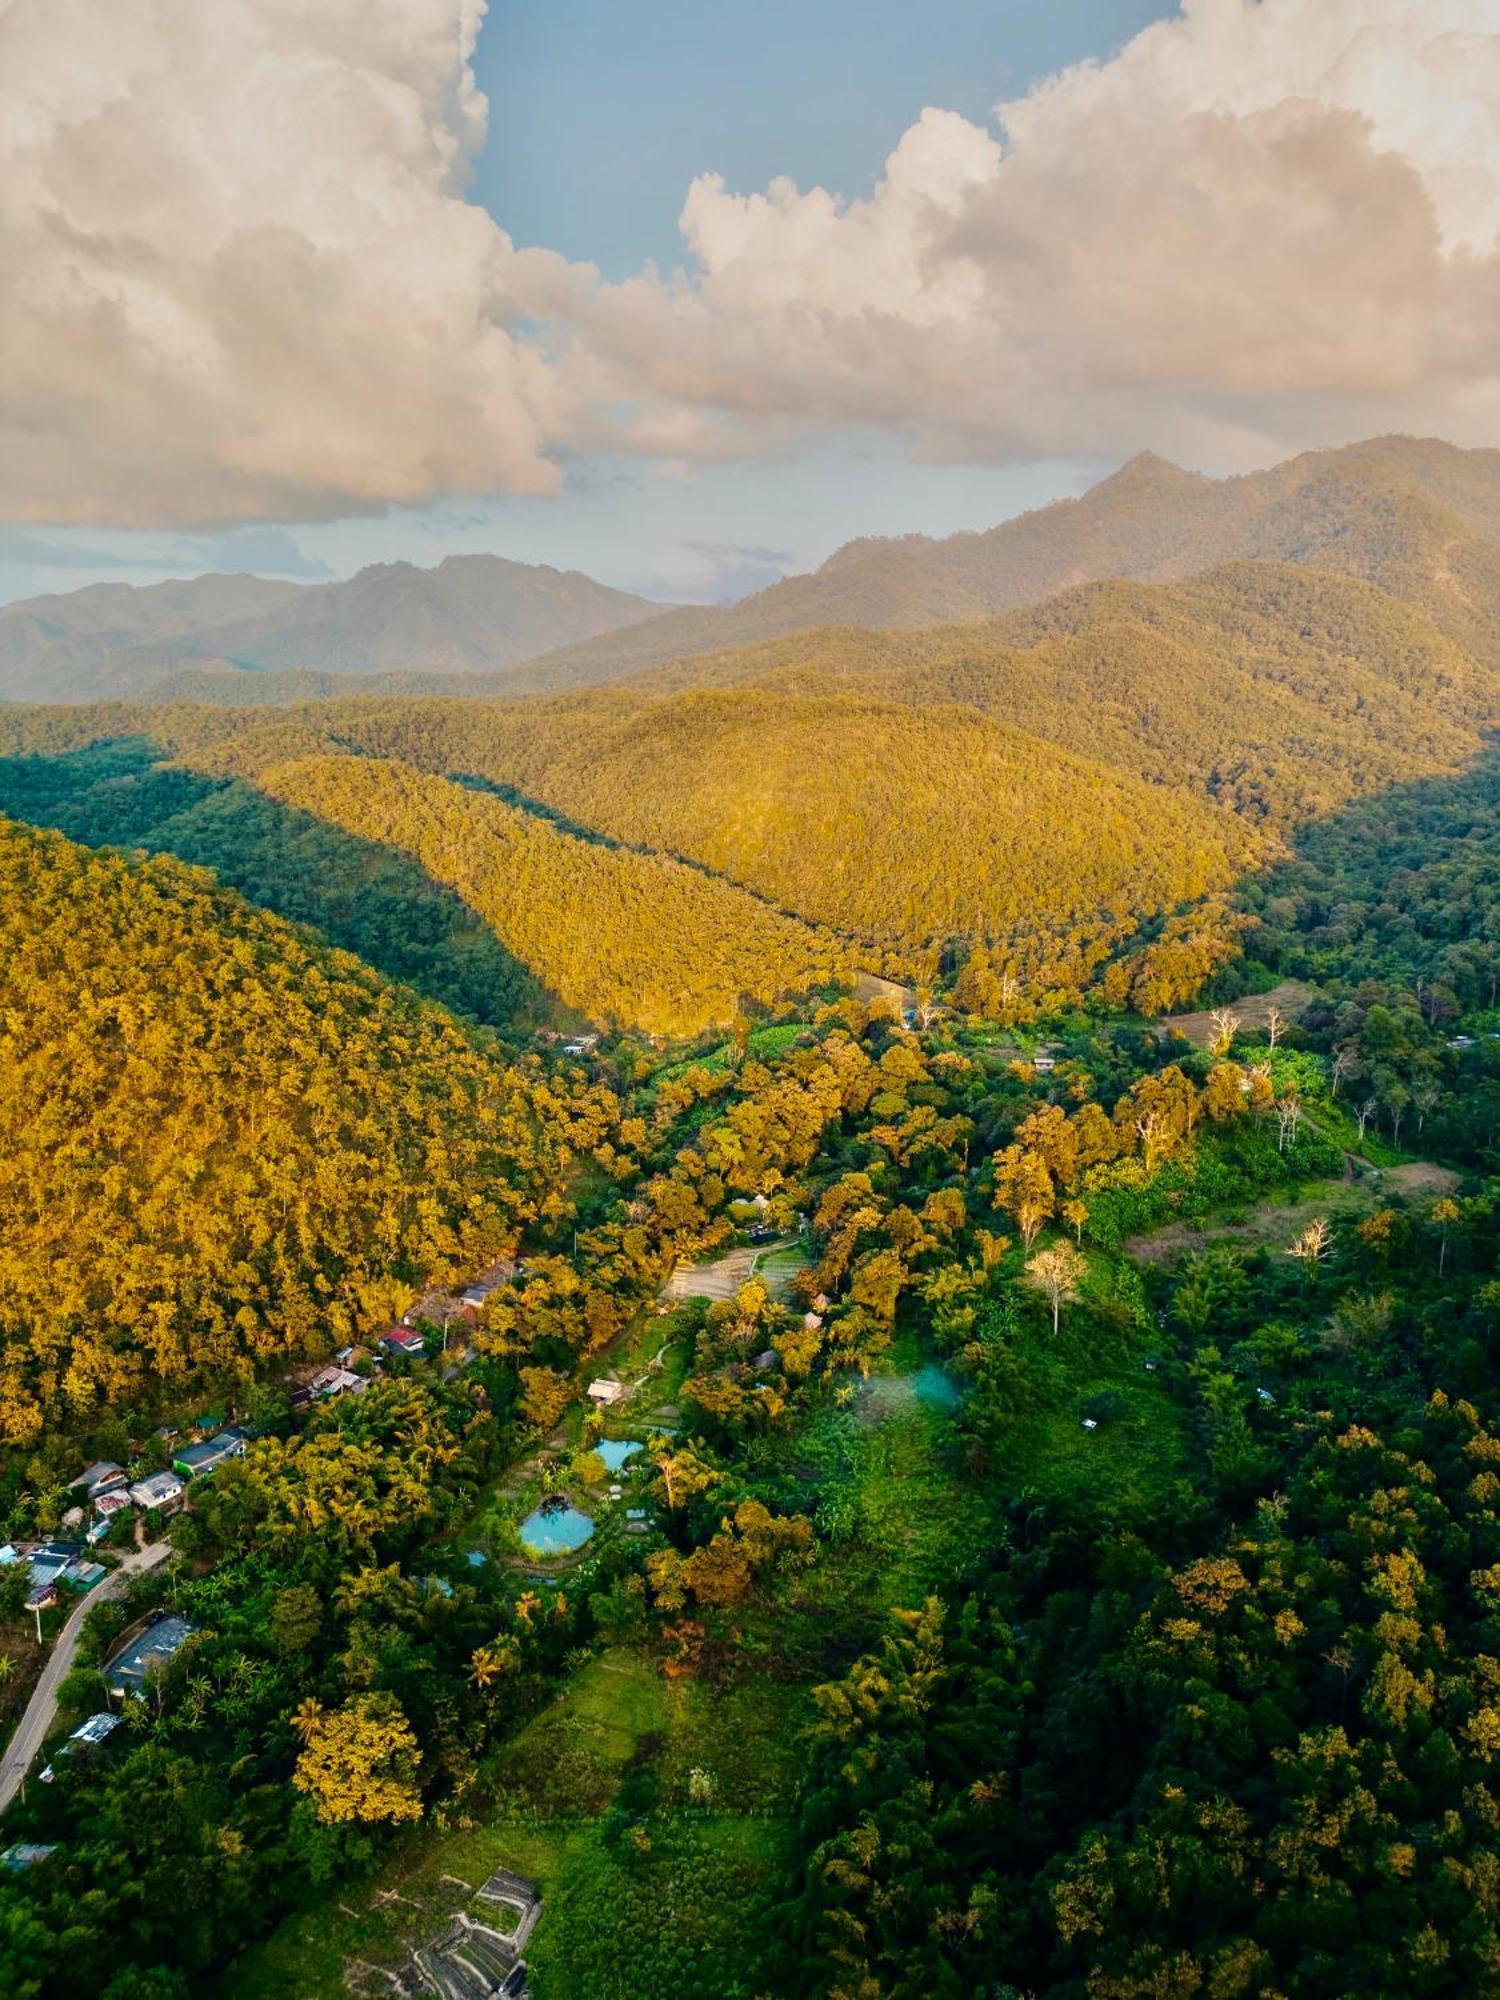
(359, 1761)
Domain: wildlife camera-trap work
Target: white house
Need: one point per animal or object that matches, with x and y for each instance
(605, 1391)
(161, 1489)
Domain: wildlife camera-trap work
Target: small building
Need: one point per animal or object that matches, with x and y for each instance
(812, 1321)
(605, 1390)
(335, 1380)
(1044, 1065)
(161, 1489)
(103, 1477)
(581, 1045)
(116, 1501)
(196, 1461)
(88, 1735)
(25, 1854)
(150, 1650)
(407, 1340)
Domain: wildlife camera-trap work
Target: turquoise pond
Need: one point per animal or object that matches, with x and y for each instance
(615, 1451)
(555, 1527)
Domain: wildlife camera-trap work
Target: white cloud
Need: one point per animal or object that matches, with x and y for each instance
(241, 279)
(240, 276)
(1264, 223)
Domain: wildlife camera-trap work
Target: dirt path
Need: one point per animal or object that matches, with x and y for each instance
(41, 1710)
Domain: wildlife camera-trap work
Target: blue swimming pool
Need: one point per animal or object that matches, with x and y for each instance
(555, 1527)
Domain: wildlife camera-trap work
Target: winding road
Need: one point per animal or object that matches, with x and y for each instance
(31, 1730)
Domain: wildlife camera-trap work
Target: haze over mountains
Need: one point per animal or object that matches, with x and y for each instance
(1419, 518)
(469, 614)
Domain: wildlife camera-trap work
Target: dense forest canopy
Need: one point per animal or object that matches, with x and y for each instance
(223, 1143)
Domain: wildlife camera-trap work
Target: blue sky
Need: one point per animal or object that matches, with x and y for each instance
(602, 111)
(601, 114)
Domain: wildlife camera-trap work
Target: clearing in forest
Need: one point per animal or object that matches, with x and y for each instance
(776, 1263)
(1253, 1012)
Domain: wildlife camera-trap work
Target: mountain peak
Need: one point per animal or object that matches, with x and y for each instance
(1147, 472)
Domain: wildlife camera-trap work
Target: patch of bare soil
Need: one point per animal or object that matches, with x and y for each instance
(1421, 1177)
(1253, 1012)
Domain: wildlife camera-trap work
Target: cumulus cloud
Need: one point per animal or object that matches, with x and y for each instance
(241, 279)
(1263, 223)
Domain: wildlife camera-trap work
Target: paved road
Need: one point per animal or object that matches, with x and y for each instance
(32, 1729)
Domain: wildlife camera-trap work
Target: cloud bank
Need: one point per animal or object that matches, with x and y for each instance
(244, 280)
(240, 278)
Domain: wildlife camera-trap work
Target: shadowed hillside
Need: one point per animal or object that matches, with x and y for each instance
(363, 897)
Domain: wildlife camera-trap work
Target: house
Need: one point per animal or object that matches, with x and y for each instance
(103, 1477)
(498, 1274)
(407, 1340)
(195, 1461)
(150, 1650)
(161, 1489)
(1044, 1065)
(606, 1390)
(581, 1045)
(335, 1381)
(88, 1735)
(116, 1501)
(42, 1564)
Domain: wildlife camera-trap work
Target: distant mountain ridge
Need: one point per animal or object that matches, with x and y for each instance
(470, 614)
(1418, 517)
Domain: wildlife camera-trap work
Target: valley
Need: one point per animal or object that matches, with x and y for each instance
(850, 1271)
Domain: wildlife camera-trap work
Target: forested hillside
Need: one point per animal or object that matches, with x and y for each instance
(484, 907)
(896, 825)
(1276, 689)
(1416, 516)
(222, 1146)
(628, 939)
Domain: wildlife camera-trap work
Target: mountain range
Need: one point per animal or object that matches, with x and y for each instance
(1418, 518)
(470, 614)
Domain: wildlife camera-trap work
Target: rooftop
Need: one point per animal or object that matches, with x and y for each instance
(160, 1642)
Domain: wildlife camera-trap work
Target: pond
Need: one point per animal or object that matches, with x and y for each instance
(555, 1527)
(932, 1384)
(615, 1451)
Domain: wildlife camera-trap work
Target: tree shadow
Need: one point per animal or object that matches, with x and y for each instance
(1403, 887)
(361, 896)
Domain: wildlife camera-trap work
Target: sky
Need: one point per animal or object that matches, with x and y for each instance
(686, 296)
